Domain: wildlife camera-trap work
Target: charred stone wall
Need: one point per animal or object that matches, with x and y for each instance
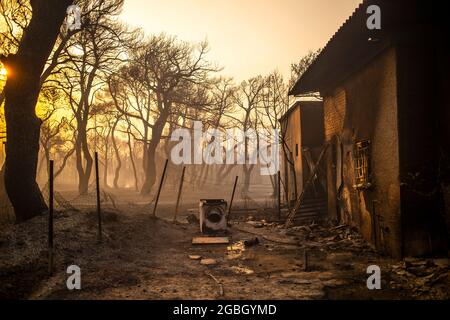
(365, 108)
(397, 102)
(334, 115)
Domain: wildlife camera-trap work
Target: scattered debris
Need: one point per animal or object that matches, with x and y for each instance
(340, 227)
(235, 250)
(271, 238)
(242, 270)
(210, 240)
(236, 246)
(300, 229)
(256, 224)
(294, 281)
(336, 238)
(192, 218)
(252, 242)
(208, 262)
(221, 293)
(261, 262)
(423, 277)
(335, 283)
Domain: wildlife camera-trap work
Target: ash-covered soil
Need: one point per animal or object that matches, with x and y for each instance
(141, 257)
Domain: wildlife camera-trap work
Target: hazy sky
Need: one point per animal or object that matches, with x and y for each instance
(247, 37)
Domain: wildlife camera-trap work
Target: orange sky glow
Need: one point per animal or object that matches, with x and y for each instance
(247, 37)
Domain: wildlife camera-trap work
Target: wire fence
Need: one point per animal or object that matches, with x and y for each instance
(258, 195)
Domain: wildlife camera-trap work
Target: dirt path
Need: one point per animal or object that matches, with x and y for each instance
(145, 258)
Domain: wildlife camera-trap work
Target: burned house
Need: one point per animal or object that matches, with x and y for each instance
(302, 130)
(386, 124)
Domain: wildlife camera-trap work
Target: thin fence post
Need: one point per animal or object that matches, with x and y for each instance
(279, 194)
(160, 187)
(232, 195)
(97, 187)
(180, 189)
(50, 218)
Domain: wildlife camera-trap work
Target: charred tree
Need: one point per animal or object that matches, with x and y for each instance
(133, 163)
(21, 94)
(117, 154)
(150, 172)
(248, 99)
(82, 151)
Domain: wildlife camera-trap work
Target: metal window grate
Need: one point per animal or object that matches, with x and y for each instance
(362, 164)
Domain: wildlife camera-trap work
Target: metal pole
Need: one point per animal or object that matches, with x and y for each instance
(160, 187)
(50, 218)
(99, 210)
(232, 195)
(180, 188)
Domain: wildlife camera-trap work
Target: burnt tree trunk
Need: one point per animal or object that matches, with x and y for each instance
(64, 163)
(21, 94)
(145, 148)
(82, 151)
(105, 167)
(133, 164)
(116, 152)
(150, 170)
(248, 168)
(40, 166)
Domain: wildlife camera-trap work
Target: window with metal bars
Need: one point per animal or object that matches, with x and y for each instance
(362, 164)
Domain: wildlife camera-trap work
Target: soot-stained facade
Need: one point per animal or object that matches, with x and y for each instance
(386, 121)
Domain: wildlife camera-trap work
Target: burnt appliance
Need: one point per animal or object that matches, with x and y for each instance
(212, 215)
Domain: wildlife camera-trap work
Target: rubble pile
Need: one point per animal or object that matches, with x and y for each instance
(348, 254)
(336, 238)
(426, 278)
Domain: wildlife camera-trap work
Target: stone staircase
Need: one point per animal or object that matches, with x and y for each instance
(313, 206)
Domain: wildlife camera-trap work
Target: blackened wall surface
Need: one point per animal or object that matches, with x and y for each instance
(334, 116)
(367, 111)
(393, 92)
(440, 34)
(421, 143)
(312, 125)
(313, 137)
